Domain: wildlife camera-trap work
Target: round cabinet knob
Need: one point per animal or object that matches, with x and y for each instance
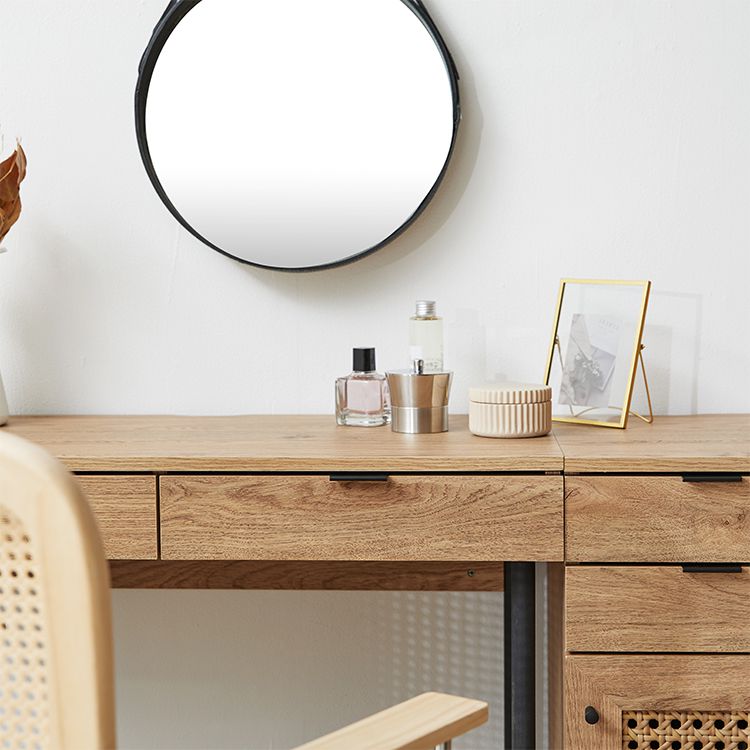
(591, 715)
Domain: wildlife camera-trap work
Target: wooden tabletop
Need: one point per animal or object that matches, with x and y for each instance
(705, 442)
(316, 443)
(273, 443)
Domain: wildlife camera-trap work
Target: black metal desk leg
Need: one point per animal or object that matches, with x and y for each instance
(520, 656)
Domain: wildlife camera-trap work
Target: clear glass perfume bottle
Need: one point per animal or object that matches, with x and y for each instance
(426, 336)
(362, 397)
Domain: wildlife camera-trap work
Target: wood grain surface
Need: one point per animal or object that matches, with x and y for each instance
(612, 683)
(421, 723)
(438, 518)
(656, 519)
(273, 443)
(304, 575)
(719, 442)
(125, 510)
(316, 443)
(656, 608)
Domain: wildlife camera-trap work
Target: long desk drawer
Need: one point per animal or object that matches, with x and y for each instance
(125, 510)
(656, 608)
(285, 517)
(641, 518)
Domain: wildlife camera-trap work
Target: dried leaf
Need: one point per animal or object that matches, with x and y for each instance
(12, 172)
(13, 213)
(9, 184)
(6, 164)
(21, 159)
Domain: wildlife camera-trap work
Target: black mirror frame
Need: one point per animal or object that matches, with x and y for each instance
(175, 12)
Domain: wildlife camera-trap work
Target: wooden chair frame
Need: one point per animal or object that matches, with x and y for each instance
(57, 607)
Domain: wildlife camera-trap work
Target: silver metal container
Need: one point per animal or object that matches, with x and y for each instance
(419, 400)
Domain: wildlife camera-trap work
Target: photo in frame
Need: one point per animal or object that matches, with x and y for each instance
(595, 350)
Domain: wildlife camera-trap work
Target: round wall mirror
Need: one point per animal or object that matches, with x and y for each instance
(296, 135)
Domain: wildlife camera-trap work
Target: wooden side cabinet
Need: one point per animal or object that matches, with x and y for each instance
(650, 625)
(650, 613)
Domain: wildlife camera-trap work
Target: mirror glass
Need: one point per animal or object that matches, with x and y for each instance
(296, 134)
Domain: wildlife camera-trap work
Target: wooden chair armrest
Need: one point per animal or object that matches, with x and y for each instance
(420, 723)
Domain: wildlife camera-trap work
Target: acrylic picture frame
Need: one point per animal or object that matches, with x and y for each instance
(595, 349)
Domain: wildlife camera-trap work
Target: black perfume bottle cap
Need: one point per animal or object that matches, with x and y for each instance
(363, 360)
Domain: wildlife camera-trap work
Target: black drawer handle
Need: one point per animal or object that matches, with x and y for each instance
(708, 568)
(358, 476)
(591, 715)
(712, 477)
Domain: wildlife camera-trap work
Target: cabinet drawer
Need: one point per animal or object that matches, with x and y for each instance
(404, 518)
(656, 519)
(640, 702)
(629, 608)
(125, 510)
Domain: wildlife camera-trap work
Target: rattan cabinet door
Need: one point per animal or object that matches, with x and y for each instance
(639, 702)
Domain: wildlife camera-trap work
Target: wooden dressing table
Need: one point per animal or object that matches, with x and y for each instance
(295, 502)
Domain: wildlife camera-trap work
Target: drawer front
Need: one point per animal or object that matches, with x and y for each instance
(656, 519)
(403, 518)
(641, 702)
(125, 509)
(629, 608)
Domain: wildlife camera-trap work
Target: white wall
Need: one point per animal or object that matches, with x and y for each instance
(600, 139)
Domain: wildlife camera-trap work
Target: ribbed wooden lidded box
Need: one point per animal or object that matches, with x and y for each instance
(510, 410)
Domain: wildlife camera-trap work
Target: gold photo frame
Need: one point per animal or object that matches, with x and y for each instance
(595, 350)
